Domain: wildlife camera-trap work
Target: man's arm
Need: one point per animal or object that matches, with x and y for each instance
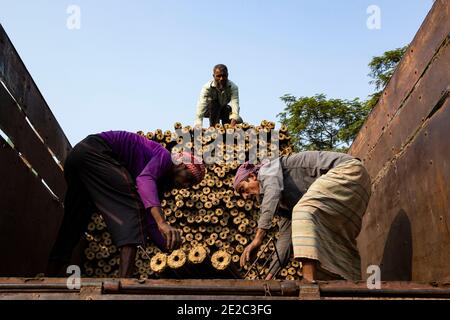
(159, 164)
(272, 184)
(259, 237)
(268, 208)
(148, 192)
(234, 102)
(271, 180)
(201, 105)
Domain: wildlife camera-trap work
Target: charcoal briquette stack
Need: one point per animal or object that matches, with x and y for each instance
(215, 222)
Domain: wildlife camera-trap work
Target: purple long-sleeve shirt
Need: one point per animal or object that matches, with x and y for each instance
(147, 161)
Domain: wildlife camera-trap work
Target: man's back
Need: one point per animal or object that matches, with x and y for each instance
(135, 151)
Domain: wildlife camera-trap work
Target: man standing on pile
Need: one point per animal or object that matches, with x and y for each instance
(320, 198)
(122, 175)
(219, 100)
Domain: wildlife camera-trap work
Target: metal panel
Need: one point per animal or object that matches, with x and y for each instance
(29, 217)
(427, 96)
(406, 229)
(13, 123)
(20, 83)
(405, 147)
(429, 38)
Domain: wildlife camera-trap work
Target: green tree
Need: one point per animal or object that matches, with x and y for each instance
(381, 70)
(382, 67)
(318, 123)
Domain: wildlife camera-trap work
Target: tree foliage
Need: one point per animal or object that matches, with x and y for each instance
(381, 70)
(318, 123)
(382, 67)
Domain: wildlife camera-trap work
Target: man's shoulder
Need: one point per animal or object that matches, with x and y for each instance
(208, 84)
(232, 84)
(270, 169)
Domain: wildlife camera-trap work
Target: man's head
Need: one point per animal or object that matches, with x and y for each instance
(246, 182)
(249, 188)
(188, 170)
(220, 74)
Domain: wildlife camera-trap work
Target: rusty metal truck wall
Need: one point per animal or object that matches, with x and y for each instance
(405, 144)
(30, 212)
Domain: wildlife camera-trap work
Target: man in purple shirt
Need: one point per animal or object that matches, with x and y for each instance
(122, 175)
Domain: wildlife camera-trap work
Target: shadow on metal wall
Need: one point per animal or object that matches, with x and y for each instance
(396, 263)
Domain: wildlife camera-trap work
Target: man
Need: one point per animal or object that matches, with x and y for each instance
(321, 198)
(214, 98)
(122, 175)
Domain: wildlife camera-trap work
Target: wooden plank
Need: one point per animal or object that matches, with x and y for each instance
(428, 95)
(13, 123)
(20, 83)
(406, 228)
(431, 35)
(29, 217)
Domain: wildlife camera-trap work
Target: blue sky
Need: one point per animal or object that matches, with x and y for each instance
(139, 65)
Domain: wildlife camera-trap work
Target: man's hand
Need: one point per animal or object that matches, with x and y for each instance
(245, 257)
(172, 236)
(255, 244)
(233, 123)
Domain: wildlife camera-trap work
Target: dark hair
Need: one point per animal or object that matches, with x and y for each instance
(221, 67)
